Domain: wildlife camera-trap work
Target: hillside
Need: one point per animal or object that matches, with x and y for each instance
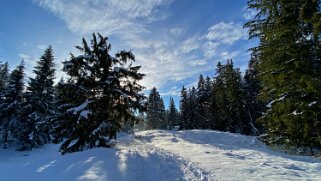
(162, 155)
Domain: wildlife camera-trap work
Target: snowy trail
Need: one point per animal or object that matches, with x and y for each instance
(130, 160)
(233, 157)
(168, 165)
(199, 155)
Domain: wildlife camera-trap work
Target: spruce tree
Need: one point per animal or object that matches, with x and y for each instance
(254, 107)
(228, 101)
(108, 95)
(155, 113)
(11, 105)
(201, 104)
(172, 118)
(184, 109)
(192, 122)
(289, 69)
(4, 76)
(219, 101)
(39, 106)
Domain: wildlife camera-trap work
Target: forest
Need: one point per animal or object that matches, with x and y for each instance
(277, 99)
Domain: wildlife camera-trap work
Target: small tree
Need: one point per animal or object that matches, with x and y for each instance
(156, 114)
(172, 118)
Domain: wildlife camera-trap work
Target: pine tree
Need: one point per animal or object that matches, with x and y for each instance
(184, 109)
(39, 107)
(4, 76)
(254, 107)
(236, 100)
(289, 69)
(201, 104)
(219, 101)
(11, 105)
(108, 95)
(192, 122)
(228, 101)
(208, 93)
(156, 114)
(172, 118)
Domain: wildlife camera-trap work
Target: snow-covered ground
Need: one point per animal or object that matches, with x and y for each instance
(163, 155)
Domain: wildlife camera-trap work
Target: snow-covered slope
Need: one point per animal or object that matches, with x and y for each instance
(163, 155)
(228, 156)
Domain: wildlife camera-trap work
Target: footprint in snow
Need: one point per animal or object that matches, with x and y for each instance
(174, 140)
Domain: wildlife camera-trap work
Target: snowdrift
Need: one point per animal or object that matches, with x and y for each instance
(162, 155)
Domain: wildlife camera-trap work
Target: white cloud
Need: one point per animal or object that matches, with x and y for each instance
(108, 17)
(29, 61)
(229, 55)
(173, 91)
(190, 44)
(198, 62)
(176, 31)
(226, 33)
(41, 47)
(24, 56)
(164, 60)
(210, 49)
(249, 13)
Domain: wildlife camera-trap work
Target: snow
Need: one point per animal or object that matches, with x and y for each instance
(80, 107)
(269, 105)
(162, 155)
(118, 69)
(313, 103)
(295, 113)
(84, 57)
(85, 114)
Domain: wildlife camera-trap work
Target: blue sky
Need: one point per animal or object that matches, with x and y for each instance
(174, 40)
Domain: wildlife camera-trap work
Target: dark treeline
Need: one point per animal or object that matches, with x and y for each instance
(226, 103)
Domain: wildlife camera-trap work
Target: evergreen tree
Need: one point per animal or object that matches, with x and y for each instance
(236, 100)
(184, 109)
(108, 95)
(208, 93)
(228, 100)
(11, 105)
(192, 119)
(201, 104)
(172, 118)
(4, 77)
(219, 101)
(39, 107)
(254, 107)
(156, 114)
(289, 69)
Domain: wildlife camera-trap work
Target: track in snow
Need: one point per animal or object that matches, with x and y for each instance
(231, 156)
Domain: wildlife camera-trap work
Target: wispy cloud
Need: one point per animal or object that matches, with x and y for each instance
(109, 17)
(41, 46)
(167, 59)
(249, 13)
(190, 44)
(176, 31)
(29, 61)
(226, 33)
